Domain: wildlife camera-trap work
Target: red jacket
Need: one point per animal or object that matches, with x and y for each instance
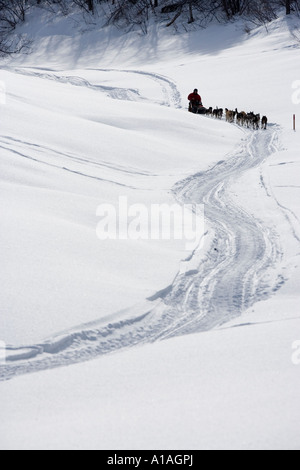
(195, 98)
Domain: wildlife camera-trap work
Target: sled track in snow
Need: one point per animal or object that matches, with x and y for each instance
(170, 93)
(230, 272)
(220, 281)
(68, 163)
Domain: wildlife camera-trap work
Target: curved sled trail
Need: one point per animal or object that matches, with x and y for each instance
(228, 276)
(215, 284)
(170, 95)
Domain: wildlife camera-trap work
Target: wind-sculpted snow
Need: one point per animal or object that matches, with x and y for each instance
(217, 282)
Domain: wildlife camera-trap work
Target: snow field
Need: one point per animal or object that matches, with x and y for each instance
(80, 129)
(235, 388)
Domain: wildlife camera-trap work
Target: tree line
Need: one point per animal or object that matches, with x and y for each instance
(132, 13)
(229, 7)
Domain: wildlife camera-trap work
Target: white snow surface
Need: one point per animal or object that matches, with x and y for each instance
(89, 117)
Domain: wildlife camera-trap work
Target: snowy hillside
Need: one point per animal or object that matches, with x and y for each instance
(95, 118)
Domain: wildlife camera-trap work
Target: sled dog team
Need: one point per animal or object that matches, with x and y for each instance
(241, 118)
(250, 119)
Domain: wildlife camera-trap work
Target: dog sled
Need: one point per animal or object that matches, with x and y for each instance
(197, 109)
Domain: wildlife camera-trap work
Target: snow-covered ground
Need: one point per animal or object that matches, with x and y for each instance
(93, 117)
